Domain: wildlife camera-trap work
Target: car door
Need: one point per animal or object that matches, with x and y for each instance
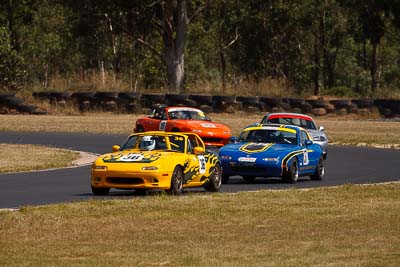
(157, 122)
(196, 164)
(310, 155)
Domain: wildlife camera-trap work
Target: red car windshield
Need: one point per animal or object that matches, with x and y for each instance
(187, 114)
(306, 124)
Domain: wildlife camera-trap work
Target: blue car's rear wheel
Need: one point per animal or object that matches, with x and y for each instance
(319, 171)
(292, 173)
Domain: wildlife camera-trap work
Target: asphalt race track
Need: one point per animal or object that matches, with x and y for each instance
(345, 165)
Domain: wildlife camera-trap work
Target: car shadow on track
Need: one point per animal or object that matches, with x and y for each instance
(262, 180)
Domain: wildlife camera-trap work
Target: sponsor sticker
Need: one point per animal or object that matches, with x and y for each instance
(208, 125)
(244, 159)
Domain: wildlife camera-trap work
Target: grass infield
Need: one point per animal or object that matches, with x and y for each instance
(33, 157)
(351, 225)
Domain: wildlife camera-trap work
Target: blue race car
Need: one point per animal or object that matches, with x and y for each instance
(272, 151)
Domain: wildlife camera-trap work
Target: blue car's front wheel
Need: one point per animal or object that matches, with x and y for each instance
(292, 173)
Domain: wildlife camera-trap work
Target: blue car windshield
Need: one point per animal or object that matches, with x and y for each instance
(306, 124)
(268, 136)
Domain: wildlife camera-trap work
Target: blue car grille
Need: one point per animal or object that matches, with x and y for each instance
(247, 167)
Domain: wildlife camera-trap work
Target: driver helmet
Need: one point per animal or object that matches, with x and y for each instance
(148, 142)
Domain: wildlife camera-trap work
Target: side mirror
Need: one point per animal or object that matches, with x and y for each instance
(115, 148)
(198, 150)
(321, 128)
(308, 142)
(233, 139)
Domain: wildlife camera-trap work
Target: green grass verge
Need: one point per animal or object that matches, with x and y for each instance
(33, 157)
(343, 226)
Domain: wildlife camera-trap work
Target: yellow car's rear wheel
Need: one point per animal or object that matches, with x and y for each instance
(176, 181)
(215, 180)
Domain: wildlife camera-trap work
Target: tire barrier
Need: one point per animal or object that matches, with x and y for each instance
(134, 102)
(10, 104)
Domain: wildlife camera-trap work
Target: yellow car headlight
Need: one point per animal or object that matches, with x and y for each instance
(99, 168)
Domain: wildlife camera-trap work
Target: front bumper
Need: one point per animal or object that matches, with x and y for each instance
(131, 180)
(251, 169)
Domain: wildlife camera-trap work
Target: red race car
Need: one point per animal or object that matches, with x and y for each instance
(185, 119)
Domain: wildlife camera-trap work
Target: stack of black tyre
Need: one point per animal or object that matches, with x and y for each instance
(134, 102)
(9, 103)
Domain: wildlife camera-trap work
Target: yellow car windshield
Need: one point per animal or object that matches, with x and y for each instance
(155, 142)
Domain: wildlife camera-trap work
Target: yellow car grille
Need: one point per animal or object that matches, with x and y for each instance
(123, 180)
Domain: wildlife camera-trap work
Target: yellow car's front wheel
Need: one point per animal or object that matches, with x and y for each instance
(176, 181)
(100, 191)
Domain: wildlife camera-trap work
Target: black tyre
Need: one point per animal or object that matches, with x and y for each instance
(215, 180)
(319, 171)
(176, 181)
(141, 191)
(271, 101)
(83, 95)
(12, 101)
(338, 103)
(225, 178)
(249, 178)
(292, 174)
(100, 191)
(202, 99)
(247, 99)
(222, 98)
(296, 102)
(103, 96)
(363, 103)
(26, 108)
(177, 97)
(317, 103)
(129, 95)
(59, 95)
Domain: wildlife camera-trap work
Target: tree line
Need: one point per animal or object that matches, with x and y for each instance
(339, 47)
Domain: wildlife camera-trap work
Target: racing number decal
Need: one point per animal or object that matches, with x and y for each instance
(202, 163)
(131, 157)
(162, 125)
(306, 161)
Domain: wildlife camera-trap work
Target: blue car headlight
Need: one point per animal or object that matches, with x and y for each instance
(319, 138)
(226, 157)
(271, 159)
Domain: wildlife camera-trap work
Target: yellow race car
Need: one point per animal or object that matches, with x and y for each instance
(157, 160)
